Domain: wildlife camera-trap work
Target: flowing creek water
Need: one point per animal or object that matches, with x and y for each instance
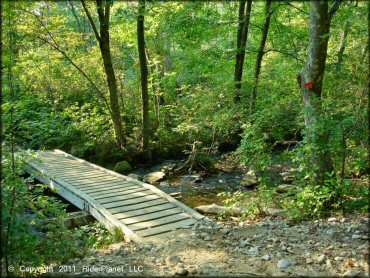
(193, 193)
(185, 187)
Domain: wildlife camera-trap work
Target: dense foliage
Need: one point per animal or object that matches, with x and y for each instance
(56, 95)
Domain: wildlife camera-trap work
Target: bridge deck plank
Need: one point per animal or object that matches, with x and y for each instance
(141, 210)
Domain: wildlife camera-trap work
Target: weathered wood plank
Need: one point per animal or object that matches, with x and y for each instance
(89, 190)
(109, 191)
(65, 172)
(137, 206)
(192, 212)
(151, 216)
(88, 177)
(66, 168)
(144, 211)
(82, 185)
(90, 180)
(116, 192)
(83, 175)
(158, 222)
(90, 205)
(98, 183)
(130, 202)
(132, 195)
(114, 199)
(166, 228)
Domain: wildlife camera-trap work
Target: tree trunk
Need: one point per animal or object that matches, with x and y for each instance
(144, 80)
(109, 71)
(342, 45)
(242, 36)
(73, 9)
(103, 38)
(368, 90)
(260, 54)
(155, 89)
(311, 81)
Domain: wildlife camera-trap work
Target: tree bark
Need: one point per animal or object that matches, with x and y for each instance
(260, 54)
(242, 36)
(144, 80)
(368, 90)
(103, 7)
(342, 45)
(73, 9)
(155, 89)
(310, 80)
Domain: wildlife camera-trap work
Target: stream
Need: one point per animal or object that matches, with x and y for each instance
(192, 192)
(185, 187)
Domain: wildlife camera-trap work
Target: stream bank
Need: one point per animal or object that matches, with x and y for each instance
(332, 246)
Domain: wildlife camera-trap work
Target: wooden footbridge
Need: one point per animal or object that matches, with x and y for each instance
(140, 210)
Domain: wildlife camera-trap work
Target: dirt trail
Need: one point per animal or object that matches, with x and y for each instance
(268, 247)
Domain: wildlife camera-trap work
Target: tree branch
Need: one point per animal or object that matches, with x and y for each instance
(256, 26)
(334, 8)
(75, 15)
(78, 68)
(285, 53)
(92, 23)
(299, 9)
(58, 48)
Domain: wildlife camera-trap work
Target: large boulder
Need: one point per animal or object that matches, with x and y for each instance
(249, 180)
(136, 177)
(285, 188)
(122, 167)
(169, 168)
(216, 209)
(288, 176)
(154, 177)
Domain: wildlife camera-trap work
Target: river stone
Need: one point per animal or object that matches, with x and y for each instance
(215, 209)
(208, 269)
(249, 180)
(283, 264)
(244, 243)
(265, 257)
(136, 177)
(225, 231)
(287, 176)
(273, 211)
(350, 273)
(285, 188)
(154, 177)
(321, 259)
(122, 167)
(172, 260)
(182, 271)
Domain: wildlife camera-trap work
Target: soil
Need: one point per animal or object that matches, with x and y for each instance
(269, 246)
(326, 247)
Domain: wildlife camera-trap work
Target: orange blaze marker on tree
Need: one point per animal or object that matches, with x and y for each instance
(308, 84)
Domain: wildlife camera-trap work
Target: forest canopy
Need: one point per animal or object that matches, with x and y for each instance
(266, 82)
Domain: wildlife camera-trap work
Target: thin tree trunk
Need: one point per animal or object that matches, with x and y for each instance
(103, 38)
(73, 9)
(90, 36)
(242, 36)
(144, 80)
(311, 81)
(155, 89)
(260, 54)
(342, 45)
(368, 90)
(364, 52)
